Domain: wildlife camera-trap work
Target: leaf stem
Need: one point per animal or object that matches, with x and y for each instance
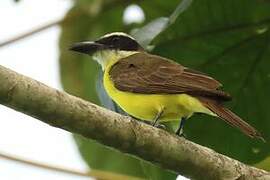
(179, 9)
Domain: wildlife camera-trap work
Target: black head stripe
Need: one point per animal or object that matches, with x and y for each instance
(120, 42)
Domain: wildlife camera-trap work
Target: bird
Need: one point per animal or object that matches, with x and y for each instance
(156, 89)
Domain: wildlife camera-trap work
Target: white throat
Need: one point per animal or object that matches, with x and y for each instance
(109, 57)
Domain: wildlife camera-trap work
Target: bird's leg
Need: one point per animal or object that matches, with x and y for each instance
(158, 115)
(160, 126)
(180, 130)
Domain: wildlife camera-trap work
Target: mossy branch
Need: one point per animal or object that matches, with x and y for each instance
(75, 115)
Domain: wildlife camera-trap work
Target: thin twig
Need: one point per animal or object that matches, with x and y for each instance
(93, 173)
(57, 22)
(29, 33)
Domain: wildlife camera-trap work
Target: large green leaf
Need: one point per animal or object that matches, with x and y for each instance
(147, 33)
(79, 74)
(226, 39)
(229, 40)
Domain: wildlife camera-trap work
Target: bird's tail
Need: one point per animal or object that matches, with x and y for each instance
(231, 118)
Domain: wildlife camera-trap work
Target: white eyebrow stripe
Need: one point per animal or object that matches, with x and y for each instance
(117, 33)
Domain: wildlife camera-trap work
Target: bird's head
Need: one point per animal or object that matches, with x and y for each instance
(110, 47)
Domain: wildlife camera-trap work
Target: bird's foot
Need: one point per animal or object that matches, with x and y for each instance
(180, 133)
(183, 135)
(160, 126)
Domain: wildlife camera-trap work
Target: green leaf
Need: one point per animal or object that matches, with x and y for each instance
(75, 68)
(79, 74)
(147, 33)
(179, 10)
(156, 173)
(264, 164)
(229, 40)
(104, 158)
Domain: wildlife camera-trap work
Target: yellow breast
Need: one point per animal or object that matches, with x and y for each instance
(146, 106)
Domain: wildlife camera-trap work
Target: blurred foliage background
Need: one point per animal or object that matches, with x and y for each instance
(227, 39)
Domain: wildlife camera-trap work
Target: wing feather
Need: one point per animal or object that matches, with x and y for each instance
(150, 74)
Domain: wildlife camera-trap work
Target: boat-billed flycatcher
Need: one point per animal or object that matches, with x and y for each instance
(154, 88)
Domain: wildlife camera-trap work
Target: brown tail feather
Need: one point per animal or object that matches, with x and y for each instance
(231, 118)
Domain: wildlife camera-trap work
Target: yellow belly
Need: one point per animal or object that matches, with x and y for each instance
(146, 106)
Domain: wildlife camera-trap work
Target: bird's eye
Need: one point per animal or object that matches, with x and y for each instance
(115, 39)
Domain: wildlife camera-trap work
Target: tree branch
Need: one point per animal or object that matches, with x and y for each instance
(30, 33)
(62, 110)
(57, 22)
(93, 173)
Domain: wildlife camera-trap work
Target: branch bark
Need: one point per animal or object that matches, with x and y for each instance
(73, 114)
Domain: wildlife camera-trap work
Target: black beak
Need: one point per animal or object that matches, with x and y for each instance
(87, 47)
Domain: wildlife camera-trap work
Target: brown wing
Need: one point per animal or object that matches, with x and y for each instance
(150, 74)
